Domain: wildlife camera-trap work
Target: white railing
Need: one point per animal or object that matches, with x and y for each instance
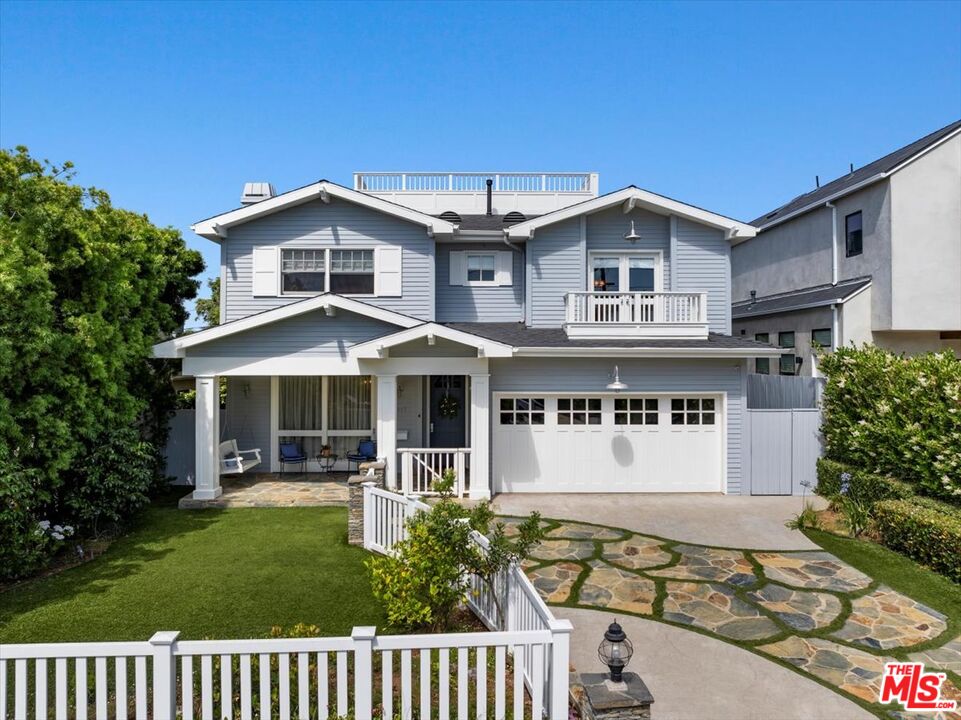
(475, 182)
(654, 314)
(520, 602)
(289, 678)
(421, 467)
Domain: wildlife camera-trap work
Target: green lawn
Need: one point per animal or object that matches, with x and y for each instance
(215, 574)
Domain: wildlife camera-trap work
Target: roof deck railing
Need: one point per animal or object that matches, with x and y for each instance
(476, 182)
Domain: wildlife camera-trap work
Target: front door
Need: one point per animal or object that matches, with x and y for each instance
(447, 412)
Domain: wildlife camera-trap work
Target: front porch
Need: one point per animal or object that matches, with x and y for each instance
(260, 490)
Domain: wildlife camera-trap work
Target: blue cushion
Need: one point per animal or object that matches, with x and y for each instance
(367, 448)
(290, 452)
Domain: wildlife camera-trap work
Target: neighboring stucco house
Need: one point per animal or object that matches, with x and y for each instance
(518, 327)
(871, 257)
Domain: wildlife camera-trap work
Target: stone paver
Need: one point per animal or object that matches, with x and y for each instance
(580, 531)
(614, 589)
(636, 552)
(853, 671)
(563, 550)
(554, 582)
(511, 525)
(715, 607)
(702, 563)
(813, 570)
(801, 609)
(273, 490)
(946, 657)
(887, 619)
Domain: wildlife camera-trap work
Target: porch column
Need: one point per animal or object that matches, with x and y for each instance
(480, 434)
(207, 438)
(387, 426)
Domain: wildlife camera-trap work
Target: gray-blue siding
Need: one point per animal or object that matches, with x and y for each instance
(312, 333)
(318, 225)
(247, 418)
(641, 375)
(704, 265)
(463, 303)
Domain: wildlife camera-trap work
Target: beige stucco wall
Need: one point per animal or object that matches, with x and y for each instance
(926, 244)
(854, 319)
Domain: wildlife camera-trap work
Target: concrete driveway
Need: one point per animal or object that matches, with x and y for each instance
(705, 519)
(693, 677)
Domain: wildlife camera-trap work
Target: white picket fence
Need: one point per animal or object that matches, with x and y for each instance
(439, 675)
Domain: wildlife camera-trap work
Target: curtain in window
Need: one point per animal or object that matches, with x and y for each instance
(300, 403)
(349, 407)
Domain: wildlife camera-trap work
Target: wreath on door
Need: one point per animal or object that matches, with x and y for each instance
(448, 405)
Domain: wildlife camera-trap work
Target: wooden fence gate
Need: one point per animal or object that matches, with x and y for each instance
(782, 451)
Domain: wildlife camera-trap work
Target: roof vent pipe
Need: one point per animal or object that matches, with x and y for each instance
(490, 196)
(753, 296)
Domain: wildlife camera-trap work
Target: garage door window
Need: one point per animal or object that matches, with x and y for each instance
(522, 411)
(578, 411)
(692, 411)
(635, 411)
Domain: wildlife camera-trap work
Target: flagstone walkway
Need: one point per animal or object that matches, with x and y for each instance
(807, 610)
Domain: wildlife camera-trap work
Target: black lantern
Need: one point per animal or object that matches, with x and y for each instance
(615, 651)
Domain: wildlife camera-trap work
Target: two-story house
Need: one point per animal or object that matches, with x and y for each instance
(871, 257)
(518, 327)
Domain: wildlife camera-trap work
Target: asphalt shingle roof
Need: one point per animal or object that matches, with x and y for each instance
(817, 296)
(518, 335)
(881, 165)
(485, 222)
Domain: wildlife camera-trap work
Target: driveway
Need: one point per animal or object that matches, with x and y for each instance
(706, 519)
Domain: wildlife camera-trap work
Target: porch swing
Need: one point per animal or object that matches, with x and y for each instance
(232, 460)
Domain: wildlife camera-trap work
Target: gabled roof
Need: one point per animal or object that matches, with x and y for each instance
(631, 197)
(328, 301)
(216, 227)
(486, 347)
(810, 297)
(870, 173)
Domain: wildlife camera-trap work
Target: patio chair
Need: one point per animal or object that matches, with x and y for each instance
(292, 454)
(366, 450)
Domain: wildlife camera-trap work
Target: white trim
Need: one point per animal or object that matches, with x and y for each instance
(217, 227)
(378, 347)
(657, 255)
(641, 198)
(318, 365)
(274, 423)
(176, 346)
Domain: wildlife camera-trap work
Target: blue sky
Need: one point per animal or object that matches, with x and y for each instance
(733, 107)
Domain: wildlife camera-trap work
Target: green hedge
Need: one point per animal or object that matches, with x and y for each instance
(866, 487)
(924, 530)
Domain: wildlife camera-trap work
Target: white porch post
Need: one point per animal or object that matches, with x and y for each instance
(207, 438)
(387, 426)
(480, 433)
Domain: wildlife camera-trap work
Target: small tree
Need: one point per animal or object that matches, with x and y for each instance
(428, 576)
(208, 309)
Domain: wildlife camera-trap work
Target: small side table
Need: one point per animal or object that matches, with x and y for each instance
(326, 462)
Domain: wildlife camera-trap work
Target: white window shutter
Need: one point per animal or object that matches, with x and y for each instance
(458, 267)
(388, 272)
(266, 271)
(503, 268)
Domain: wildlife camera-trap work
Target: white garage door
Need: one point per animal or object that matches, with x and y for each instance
(607, 443)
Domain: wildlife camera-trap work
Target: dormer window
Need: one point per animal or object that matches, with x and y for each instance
(480, 268)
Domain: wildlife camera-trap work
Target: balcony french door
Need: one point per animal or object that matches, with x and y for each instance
(623, 273)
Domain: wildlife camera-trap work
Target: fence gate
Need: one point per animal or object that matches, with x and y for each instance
(783, 449)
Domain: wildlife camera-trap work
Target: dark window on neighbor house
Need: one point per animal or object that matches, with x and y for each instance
(788, 361)
(821, 338)
(853, 238)
(762, 366)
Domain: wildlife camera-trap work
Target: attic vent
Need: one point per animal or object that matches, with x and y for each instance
(450, 216)
(254, 192)
(512, 218)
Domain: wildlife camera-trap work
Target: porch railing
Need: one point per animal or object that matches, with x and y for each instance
(672, 314)
(420, 468)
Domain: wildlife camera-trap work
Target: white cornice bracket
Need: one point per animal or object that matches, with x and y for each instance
(220, 230)
(324, 196)
(630, 204)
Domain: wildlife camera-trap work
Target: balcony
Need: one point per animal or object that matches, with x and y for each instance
(629, 315)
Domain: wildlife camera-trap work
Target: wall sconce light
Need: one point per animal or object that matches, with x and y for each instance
(616, 385)
(631, 235)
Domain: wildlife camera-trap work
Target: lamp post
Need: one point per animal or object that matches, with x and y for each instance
(615, 651)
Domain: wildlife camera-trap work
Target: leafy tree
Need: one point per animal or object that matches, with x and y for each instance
(86, 289)
(208, 309)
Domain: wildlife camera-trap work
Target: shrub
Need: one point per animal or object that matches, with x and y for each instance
(863, 486)
(895, 416)
(924, 530)
(807, 519)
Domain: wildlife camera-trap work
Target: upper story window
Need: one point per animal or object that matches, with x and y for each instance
(762, 366)
(352, 272)
(788, 361)
(480, 268)
(304, 271)
(623, 272)
(821, 338)
(853, 237)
